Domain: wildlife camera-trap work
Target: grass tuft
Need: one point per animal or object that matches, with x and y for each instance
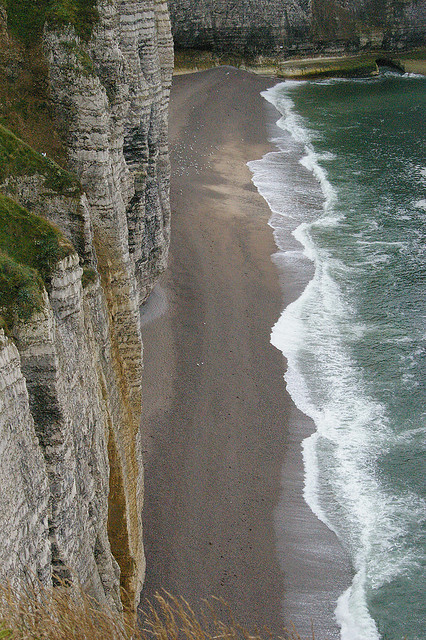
(60, 613)
(67, 612)
(172, 618)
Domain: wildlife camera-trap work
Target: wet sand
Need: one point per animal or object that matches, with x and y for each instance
(223, 509)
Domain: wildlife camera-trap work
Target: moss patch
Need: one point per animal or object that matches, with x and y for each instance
(90, 275)
(197, 60)
(30, 247)
(83, 60)
(31, 240)
(26, 18)
(25, 105)
(82, 14)
(18, 158)
(20, 291)
(5, 634)
(345, 66)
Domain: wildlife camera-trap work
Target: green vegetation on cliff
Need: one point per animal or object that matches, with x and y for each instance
(29, 239)
(29, 249)
(20, 291)
(26, 18)
(25, 106)
(18, 158)
(30, 246)
(25, 101)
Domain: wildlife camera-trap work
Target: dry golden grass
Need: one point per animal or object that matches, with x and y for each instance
(64, 613)
(60, 613)
(171, 618)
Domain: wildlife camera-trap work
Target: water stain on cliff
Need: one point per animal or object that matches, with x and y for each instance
(118, 530)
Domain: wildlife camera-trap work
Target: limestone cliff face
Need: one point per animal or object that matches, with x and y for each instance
(25, 548)
(70, 375)
(297, 26)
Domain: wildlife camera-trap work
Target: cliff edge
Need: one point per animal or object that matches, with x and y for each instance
(84, 235)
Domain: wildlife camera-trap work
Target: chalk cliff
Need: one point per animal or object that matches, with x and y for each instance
(96, 240)
(248, 27)
(83, 241)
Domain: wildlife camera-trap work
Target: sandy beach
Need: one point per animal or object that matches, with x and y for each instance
(224, 513)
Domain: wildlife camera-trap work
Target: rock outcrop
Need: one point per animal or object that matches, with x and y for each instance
(287, 27)
(70, 374)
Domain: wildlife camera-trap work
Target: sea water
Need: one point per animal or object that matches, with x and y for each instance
(348, 180)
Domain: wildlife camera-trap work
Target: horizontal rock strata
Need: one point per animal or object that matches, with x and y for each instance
(70, 375)
(287, 27)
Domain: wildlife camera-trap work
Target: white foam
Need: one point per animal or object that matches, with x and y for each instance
(352, 431)
(382, 243)
(294, 124)
(352, 428)
(420, 76)
(420, 204)
(311, 162)
(265, 180)
(311, 489)
(352, 614)
(290, 121)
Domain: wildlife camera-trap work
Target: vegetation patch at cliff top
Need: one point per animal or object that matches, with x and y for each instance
(30, 247)
(20, 291)
(25, 106)
(26, 18)
(29, 239)
(18, 158)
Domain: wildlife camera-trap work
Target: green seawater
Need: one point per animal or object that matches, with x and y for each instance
(355, 339)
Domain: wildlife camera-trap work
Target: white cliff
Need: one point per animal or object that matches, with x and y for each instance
(70, 374)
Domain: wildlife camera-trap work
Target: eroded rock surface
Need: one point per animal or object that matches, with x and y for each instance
(70, 375)
(297, 26)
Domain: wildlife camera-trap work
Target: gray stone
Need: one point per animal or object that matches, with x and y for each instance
(290, 27)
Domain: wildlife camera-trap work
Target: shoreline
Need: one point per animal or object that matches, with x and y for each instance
(221, 435)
